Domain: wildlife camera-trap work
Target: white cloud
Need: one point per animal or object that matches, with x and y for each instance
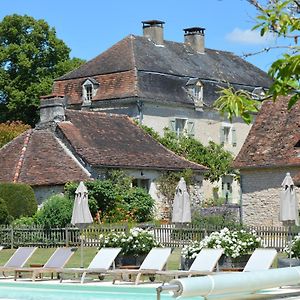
(248, 36)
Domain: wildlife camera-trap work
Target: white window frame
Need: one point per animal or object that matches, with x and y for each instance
(88, 94)
(228, 134)
(184, 128)
(195, 88)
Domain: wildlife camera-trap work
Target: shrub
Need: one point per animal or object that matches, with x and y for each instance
(235, 243)
(4, 214)
(24, 221)
(20, 199)
(101, 192)
(137, 242)
(140, 203)
(10, 130)
(115, 200)
(293, 248)
(55, 212)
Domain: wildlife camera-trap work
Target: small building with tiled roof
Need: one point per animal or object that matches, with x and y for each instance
(72, 145)
(272, 149)
(166, 84)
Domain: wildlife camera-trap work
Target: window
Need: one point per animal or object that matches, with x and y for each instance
(195, 88)
(198, 92)
(182, 126)
(89, 90)
(258, 93)
(228, 135)
(142, 183)
(227, 188)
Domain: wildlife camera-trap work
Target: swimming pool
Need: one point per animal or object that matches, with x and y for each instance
(44, 291)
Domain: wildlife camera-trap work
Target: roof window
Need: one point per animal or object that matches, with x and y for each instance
(195, 89)
(89, 90)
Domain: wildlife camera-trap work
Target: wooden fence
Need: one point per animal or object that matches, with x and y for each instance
(169, 235)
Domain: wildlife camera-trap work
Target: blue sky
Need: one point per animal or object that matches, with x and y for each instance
(91, 27)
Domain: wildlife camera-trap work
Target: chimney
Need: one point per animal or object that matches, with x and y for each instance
(52, 109)
(154, 30)
(194, 37)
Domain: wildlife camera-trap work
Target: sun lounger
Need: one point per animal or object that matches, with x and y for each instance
(18, 259)
(204, 264)
(261, 259)
(54, 264)
(155, 261)
(100, 264)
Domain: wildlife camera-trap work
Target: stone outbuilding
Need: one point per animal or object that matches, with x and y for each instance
(272, 149)
(74, 145)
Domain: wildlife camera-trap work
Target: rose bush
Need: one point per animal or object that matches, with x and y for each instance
(136, 242)
(235, 243)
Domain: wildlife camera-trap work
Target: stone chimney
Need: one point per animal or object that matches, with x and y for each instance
(154, 30)
(194, 37)
(52, 109)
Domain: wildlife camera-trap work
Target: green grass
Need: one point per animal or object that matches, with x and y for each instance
(41, 255)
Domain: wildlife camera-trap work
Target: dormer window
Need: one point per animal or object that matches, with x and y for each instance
(195, 89)
(258, 93)
(89, 90)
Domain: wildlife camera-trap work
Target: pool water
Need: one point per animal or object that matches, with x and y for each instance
(43, 291)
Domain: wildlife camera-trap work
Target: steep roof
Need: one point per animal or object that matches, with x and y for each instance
(172, 58)
(37, 158)
(274, 139)
(109, 140)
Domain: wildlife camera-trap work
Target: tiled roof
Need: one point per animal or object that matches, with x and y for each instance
(274, 139)
(136, 67)
(41, 157)
(108, 140)
(37, 158)
(173, 58)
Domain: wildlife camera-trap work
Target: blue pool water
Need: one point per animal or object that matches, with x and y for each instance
(42, 291)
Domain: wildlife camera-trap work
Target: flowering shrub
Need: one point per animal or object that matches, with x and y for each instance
(235, 243)
(293, 248)
(138, 241)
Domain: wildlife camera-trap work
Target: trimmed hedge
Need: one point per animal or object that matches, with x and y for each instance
(4, 214)
(19, 198)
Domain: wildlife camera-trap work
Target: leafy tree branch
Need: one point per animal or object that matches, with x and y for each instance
(280, 18)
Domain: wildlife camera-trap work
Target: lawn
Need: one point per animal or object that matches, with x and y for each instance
(41, 255)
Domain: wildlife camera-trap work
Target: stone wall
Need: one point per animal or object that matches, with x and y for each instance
(44, 192)
(261, 195)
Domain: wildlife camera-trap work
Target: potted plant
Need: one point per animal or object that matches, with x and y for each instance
(135, 244)
(237, 245)
(292, 251)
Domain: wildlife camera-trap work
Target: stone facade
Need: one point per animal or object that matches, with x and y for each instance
(207, 127)
(261, 195)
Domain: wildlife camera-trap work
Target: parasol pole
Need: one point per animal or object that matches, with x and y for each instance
(81, 253)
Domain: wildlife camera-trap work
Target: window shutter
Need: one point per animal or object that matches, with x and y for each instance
(233, 137)
(191, 128)
(172, 125)
(222, 136)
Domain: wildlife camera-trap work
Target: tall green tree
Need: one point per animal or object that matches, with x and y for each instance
(31, 57)
(281, 18)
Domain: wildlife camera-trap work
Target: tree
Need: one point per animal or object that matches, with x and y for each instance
(10, 130)
(281, 18)
(31, 56)
(213, 156)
